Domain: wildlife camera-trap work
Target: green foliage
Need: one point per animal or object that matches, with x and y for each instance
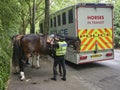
(117, 24)
(8, 13)
(8, 27)
(5, 56)
(26, 14)
(59, 4)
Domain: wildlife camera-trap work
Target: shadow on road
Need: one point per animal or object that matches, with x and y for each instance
(84, 66)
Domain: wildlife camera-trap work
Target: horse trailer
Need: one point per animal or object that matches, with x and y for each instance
(93, 24)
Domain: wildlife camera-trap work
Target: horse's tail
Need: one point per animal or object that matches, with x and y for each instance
(22, 54)
(16, 53)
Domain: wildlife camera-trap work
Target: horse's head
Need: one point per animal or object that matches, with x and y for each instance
(72, 41)
(51, 39)
(50, 42)
(76, 44)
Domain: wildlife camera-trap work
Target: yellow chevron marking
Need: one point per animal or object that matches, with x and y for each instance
(89, 37)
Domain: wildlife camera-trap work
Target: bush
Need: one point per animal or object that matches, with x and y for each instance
(5, 56)
(116, 42)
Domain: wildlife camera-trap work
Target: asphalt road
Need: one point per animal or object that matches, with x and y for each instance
(103, 75)
(39, 79)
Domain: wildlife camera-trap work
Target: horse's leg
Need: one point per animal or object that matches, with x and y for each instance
(30, 60)
(27, 61)
(38, 61)
(33, 59)
(21, 65)
(15, 67)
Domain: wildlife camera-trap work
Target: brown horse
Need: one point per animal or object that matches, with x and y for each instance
(15, 43)
(27, 46)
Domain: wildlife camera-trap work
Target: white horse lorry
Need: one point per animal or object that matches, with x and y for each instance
(93, 24)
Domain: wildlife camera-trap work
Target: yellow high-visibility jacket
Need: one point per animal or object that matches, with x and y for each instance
(62, 48)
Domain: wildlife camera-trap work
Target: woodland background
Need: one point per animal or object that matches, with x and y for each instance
(20, 17)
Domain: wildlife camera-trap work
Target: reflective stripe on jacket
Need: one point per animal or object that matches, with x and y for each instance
(62, 48)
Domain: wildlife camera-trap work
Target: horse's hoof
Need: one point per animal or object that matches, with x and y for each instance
(22, 79)
(37, 67)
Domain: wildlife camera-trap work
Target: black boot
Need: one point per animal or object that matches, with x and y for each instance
(64, 79)
(53, 78)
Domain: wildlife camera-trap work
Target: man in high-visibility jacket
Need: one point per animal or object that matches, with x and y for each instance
(60, 52)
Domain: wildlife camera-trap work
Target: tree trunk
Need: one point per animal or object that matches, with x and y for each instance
(32, 30)
(46, 22)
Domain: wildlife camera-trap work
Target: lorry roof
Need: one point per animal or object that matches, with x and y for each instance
(94, 4)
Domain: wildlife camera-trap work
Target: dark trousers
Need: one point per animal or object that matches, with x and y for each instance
(59, 60)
